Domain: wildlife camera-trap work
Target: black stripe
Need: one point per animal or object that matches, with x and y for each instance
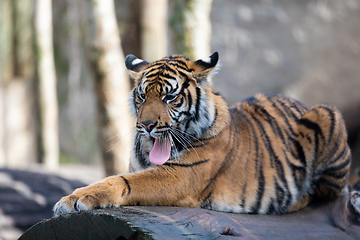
(298, 173)
(229, 157)
(158, 64)
(127, 185)
(180, 64)
(286, 118)
(260, 190)
(215, 118)
(298, 155)
(311, 125)
(185, 85)
(206, 202)
(280, 195)
(255, 139)
(234, 141)
(167, 68)
(281, 174)
(242, 202)
(134, 100)
(274, 159)
(139, 152)
(178, 60)
(168, 85)
(197, 105)
(182, 74)
(300, 151)
(325, 182)
(159, 88)
(294, 106)
(150, 84)
(297, 105)
(343, 152)
(151, 75)
(273, 123)
(337, 175)
(189, 100)
(336, 146)
(339, 167)
(316, 128)
(267, 141)
(188, 120)
(178, 105)
(332, 118)
(271, 208)
(167, 76)
(184, 164)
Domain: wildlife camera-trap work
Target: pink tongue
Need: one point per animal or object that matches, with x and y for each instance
(161, 151)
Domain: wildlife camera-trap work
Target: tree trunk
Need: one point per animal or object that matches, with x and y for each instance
(6, 41)
(154, 25)
(47, 82)
(131, 35)
(112, 88)
(336, 219)
(18, 145)
(191, 27)
(6, 69)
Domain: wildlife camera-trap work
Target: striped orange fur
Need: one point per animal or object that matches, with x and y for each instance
(267, 154)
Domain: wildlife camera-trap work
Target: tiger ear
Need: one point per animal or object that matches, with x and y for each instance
(203, 67)
(135, 65)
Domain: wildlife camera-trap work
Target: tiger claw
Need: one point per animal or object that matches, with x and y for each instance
(72, 203)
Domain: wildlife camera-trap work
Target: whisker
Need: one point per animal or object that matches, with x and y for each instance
(195, 138)
(115, 145)
(175, 149)
(126, 136)
(187, 141)
(176, 137)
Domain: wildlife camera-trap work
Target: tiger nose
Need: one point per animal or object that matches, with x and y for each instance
(148, 125)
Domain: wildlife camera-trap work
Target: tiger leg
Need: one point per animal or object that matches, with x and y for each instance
(323, 136)
(162, 185)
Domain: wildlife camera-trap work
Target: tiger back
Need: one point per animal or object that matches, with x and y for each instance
(267, 154)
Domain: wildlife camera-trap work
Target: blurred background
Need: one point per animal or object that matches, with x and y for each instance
(64, 89)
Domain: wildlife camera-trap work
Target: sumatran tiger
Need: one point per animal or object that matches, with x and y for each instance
(267, 154)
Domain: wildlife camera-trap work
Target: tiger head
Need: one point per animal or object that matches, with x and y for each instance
(171, 102)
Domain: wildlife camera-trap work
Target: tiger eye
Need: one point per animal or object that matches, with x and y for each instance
(142, 96)
(169, 98)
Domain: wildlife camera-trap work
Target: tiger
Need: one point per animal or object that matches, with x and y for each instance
(268, 154)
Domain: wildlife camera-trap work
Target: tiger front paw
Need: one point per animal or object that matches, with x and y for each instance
(76, 202)
(99, 195)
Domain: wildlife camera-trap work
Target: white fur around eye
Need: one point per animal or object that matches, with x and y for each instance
(136, 61)
(169, 98)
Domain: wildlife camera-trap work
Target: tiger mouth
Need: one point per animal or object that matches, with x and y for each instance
(161, 151)
(167, 143)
